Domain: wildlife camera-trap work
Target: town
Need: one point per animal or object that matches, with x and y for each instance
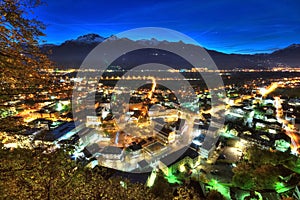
(156, 132)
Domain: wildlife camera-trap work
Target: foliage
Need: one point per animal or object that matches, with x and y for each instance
(12, 124)
(265, 176)
(243, 180)
(214, 194)
(28, 173)
(161, 187)
(20, 57)
(287, 198)
(258, 156)
(186, 193)
(262, 169)
(34, 174)
(296, 193)
(260, 177)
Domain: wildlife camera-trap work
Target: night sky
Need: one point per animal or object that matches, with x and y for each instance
(227, 26)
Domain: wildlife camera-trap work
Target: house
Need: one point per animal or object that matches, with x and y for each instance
(112, 153)
(208, 147)
(91, 150)
(93, 120)
(179, 125)
(56, 133)
(267, 124)
(135, 149)
(154, 149)
(179, 160)
(163, 134)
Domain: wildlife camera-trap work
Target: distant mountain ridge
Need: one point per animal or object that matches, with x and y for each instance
(71, 53)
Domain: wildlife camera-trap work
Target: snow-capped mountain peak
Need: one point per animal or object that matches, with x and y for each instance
(293, 46)
(151, 42)
(89, 38)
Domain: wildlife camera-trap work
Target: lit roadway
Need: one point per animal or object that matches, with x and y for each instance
(289, 128)
(130, 162)
(26, 112)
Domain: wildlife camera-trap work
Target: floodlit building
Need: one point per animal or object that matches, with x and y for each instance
(112, 153)
(179, 161)
(208, 147)
(163, 134)
(93, 120)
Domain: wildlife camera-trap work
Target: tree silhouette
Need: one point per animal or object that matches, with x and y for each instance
(186, 193)
(20, 56)
(214, 195)
(27, 174)
(161, 187)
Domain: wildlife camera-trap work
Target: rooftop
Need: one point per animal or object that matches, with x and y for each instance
(179, 155)
(111, 150)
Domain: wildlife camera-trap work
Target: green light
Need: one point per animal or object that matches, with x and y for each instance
(215, 185)
(227, 134)
(259, 195)
(172, 179)
(244, 194)
(213, 182)
(280, 187)
(282, 145)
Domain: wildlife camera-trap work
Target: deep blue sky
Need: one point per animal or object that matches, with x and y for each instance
(229, 26)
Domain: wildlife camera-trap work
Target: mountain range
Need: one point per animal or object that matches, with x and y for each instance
(71, 53)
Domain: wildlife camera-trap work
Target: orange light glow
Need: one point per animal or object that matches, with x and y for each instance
(153, 88)
(265, 91)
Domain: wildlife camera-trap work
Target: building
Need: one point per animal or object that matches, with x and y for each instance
(179, 161)
(112, 153)
(208, 147)
(268, 124)
(88, 136)
(93, 120)
(56, 133)
(135, 149)
(179, 126)
(154, 149)
(44, 114)
(163, 134)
